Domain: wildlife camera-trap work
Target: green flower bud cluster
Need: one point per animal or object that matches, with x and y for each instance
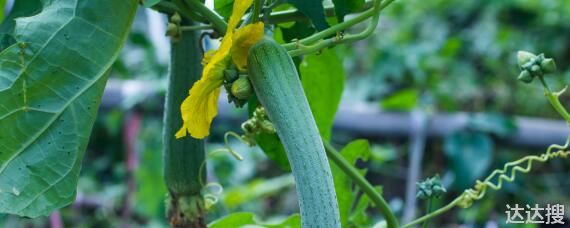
(238, 87)
(259, 123)
(173, 27)
(534, 66)
(430, 188)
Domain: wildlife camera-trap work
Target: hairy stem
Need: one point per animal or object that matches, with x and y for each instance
(183, 157)
(366, 187)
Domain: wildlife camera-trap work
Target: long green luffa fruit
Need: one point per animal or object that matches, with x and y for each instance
(278, 88)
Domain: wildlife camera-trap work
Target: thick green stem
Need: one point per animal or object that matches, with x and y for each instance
(364, 185)
(257, 5)
(183, 157)
(216, 20)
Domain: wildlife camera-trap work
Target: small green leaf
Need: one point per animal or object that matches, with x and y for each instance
(247, 219)
(224, 7)
(51, 85)
(322, 76)
(469, 155)
(358, 149)
(403, 100)
(150, 3)
(344, 7)
(238, 195)
(314, 10)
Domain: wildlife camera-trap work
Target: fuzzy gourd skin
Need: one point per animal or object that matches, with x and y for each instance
(278, 88)
(183, 157)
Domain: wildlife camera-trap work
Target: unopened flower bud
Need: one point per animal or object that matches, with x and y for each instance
(172, 30)
(548, 66)
(176, 18)
(241, 88)
(524, 57)
(525, 76)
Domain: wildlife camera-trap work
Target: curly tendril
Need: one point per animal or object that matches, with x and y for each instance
(500, 176)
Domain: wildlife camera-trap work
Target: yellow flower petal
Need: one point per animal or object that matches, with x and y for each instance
(200, 107)
(240, 6)
(208, 57)
(243, 39)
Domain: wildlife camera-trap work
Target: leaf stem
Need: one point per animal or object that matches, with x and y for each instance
(216, 20)
(195, 27)
(554, 101)
(257, 6)
(435, 213)
(333, 30)
(428, 210)
(366, 187)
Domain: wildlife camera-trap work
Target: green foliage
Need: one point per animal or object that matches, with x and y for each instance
(224, 7)
(344, 7)
(150, 189)
(322, 76)
(247, 219)
(314, 10)
(470, 155)
(346, 196)
(403, 100)
(150, 3)
(258, 188)
(50, 91)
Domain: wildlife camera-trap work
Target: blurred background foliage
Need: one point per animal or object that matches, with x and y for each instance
(437, 56)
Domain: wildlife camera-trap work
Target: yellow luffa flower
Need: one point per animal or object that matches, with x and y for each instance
(200, 107)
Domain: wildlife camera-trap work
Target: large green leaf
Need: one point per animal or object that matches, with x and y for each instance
(358, 149)
(21, 8)
(51, 84)
(322, 76)
(344, 7)
(314, 10)
(224, 7)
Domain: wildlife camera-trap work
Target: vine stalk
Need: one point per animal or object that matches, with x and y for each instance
(364, 185)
